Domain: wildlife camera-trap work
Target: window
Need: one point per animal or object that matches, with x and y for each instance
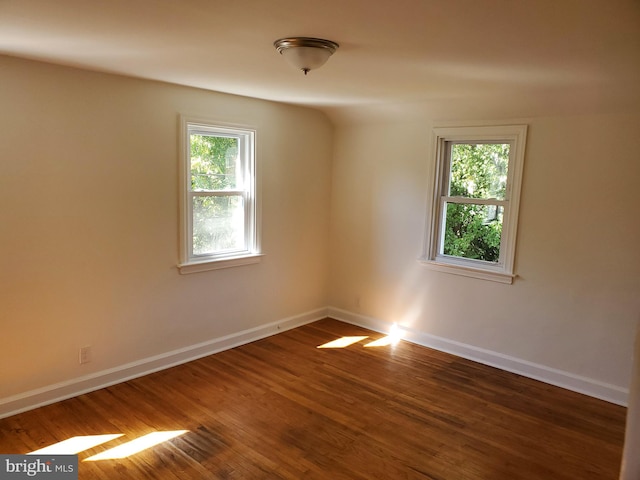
(475, 202)
(218, 186)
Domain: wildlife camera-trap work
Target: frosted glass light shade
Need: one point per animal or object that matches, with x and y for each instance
(305, 53)
(306, 58)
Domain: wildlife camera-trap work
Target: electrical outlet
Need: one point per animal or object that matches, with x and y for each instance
(85, 354)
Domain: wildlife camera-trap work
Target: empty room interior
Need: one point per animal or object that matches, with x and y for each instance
(342, 240)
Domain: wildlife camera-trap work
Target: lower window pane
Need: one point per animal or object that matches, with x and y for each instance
(218, 224)
(473, 231)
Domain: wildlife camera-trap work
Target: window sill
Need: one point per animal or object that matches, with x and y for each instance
(196, 267)
(501, 277)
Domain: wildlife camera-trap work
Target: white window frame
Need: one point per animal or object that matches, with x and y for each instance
(250, 253)
(503, 270)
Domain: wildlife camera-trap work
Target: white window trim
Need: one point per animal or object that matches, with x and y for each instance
(503, 271)
(194, 264)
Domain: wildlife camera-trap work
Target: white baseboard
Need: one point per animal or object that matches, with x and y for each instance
(559, 378)
(95, 381)
(61, 391)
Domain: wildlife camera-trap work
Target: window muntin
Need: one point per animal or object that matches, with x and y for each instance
(219, 201)
(475, 204)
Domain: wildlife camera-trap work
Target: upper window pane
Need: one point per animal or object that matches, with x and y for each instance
(478, 170)
(214, 163)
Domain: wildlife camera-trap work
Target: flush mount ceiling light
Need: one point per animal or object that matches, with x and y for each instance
(305, 53)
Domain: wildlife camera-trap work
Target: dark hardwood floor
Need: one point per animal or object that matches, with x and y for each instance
(282, 408)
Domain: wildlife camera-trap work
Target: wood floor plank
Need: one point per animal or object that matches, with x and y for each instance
(281, 408)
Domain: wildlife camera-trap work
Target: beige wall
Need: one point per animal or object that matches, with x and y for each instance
(574, 305)
(88, 222)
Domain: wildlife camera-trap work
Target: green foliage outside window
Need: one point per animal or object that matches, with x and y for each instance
(477, 171)
(213, 162)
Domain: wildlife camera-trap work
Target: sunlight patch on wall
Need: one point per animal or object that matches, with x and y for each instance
(136, 446)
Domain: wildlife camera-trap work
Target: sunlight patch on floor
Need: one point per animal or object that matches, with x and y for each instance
(81, 443)
(136, 446)
(343, 342)
(395, 335)
(382, 342)
(75, 445)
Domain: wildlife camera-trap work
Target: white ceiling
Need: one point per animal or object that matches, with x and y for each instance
(401, 52)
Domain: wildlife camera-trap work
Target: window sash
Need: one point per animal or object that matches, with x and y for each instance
(448, 149)
(443, 224)
(243, 152)
(221, 253)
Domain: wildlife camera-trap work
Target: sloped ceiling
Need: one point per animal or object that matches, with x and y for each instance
(393, 55)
